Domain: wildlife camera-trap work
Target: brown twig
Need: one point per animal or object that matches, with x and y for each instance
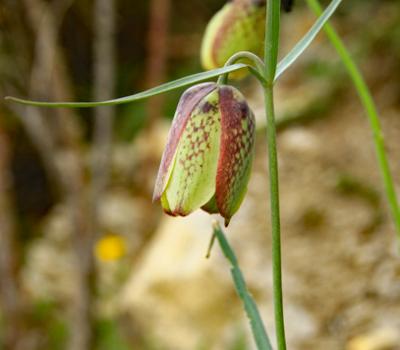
(48, 77)
(104, 77)
(45, 26)
(10, 294)
(157, 53)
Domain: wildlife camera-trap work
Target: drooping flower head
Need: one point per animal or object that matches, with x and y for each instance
(238, 26)
(207, 161)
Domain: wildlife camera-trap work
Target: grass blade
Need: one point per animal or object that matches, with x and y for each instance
(172, 85)
(299, 48)
(257, 326)
(372, 114)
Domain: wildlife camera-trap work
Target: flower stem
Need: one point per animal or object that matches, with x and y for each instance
(271, 55)
(275, 220)
(257, 70)
(371, 111)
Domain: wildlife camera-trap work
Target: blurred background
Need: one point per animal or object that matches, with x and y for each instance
(88, 262)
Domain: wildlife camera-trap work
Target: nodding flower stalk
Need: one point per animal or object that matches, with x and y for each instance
(207, 160)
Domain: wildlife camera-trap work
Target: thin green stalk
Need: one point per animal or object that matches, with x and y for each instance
(257, 326)
(369, 105)
(275, 220)
(257, 70)
(271, 57)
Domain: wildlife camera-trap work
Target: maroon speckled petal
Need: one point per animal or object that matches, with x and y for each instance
(236, 153)
(187, 103)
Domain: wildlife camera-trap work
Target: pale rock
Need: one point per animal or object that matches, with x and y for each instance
(122, 214)
(124, 160)
(178, 295)
(53, 265)
(50, 272)
(299, 140)
(381, 339)
(300, 322)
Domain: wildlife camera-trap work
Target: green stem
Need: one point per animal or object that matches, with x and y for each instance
(271, 57)
(371, 111)
(275, 220)
(258, 71)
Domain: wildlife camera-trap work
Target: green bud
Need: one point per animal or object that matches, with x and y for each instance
(238, 26)
(207, 161)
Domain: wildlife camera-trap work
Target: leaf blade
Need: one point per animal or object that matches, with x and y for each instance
(176, 84)
(307, 39)
(251, 309)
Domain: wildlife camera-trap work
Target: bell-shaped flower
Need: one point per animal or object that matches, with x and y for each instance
(238, 26)
(207, 161)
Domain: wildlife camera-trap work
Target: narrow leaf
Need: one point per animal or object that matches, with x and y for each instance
(256, 323)
(371, 111)
(299, 48)
(172, 85)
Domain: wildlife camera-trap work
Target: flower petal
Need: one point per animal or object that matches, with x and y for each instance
(211, 206)
(187, 103)
(192, 182)
(211, 37)
(238, 26)
(236, 153)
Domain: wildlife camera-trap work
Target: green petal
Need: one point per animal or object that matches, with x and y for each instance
(212, 31)
(211, 206)
(165, 204)
(238, 26)
(192, 181)
(189, 100)
(246, 33)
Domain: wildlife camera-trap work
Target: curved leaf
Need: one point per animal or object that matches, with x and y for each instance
(299, 48)
(172, 85)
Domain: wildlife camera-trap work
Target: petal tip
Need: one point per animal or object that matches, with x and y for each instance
(156, 197)
(227, 221)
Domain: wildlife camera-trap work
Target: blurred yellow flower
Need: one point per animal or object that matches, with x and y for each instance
(111, 247)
